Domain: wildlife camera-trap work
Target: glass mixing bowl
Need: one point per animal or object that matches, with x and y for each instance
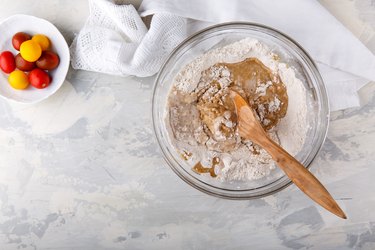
(291, 53)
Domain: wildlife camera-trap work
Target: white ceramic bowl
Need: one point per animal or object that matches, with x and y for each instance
(33, 25)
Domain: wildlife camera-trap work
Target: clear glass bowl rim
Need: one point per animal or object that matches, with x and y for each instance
(324, 108)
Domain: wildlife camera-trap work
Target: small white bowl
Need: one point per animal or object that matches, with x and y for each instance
(33, 25)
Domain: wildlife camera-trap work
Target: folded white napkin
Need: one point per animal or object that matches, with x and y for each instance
(115, 40)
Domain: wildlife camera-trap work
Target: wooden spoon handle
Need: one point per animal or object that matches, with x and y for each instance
(300, 176)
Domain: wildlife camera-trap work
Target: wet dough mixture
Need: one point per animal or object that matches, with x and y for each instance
(263, 90)
(203, 121)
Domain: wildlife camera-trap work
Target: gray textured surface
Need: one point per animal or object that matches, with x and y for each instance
(82, 170)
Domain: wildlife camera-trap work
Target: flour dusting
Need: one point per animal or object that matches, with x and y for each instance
(201, 120)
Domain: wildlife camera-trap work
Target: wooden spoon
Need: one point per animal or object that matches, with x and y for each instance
(250, 128)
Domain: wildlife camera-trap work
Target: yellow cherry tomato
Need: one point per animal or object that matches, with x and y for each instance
(18, 80)
(42, 40)
(30, 51)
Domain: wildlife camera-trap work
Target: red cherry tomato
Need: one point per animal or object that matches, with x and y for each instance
(19, 38)
(24, 65)
(39, 78)
(48, 61)
(7, 63)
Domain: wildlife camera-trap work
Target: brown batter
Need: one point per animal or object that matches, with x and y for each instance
(200, 169)
(210, 104)
(248, 76)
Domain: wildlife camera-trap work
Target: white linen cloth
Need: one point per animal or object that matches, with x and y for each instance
(114, 39)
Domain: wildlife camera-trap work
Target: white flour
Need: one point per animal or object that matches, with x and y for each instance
(240, 159)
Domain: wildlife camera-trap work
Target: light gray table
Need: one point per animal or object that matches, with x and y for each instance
(82, 170)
